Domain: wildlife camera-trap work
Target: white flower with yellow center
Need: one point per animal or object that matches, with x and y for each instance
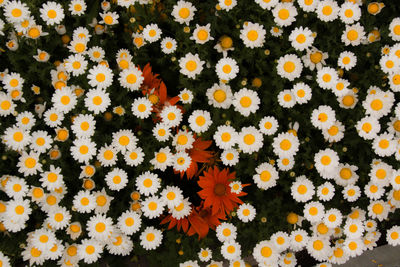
(281, 240)
(227, 4)
(381, 173)
(52, 13)
(253, 35)
(384, 145)
(246, 212)
(246, 101)
(162, 132)
(231, 250)
(319, 248)
(16, 188)
(172, 196)
(100, 76)
(323, 117)
(42, 239)
(83, 125)
(15, 11)
(335, 133)
(284, 14)
(286, 98)
(90, 250)
(314, 59)
(250, 140)
(205, 254)
(350, 12)
(201, 34)
(77, 7)
(395, 179)
(353, 35)
(100, 227)
(97, 100)
(226, 232)
(151, 33)
(84, 202)
(124, 140)
(7, 105)
(109, 18)
(302, 189)
(13, 81)
(353, 228)
(81, 32)
(168, 45)
(182, 161)
(29, 164)
(308, 5)
(354, 247)
(266, 253)
(379, 104)
(326, 162)
(96, 53)
(346, 174)
(268, 125)
(53, 117)
(76, 64)
(333, 218)
(52, 179)
(25, 120)
(351, 193)
(131, 78)
(148, 183)
(230, 157)
(171, 116)
(186, 96)
(181, 210)
(42, 56)
(103, 201)
(200, 121)
(378, 210)
(83, 150)
(225, 137)
(285, 145)
(18, 210)
(394, 81)
(347, 60)
(16, 138)
(285, 163)
(374, 191)
(394, 29)
(226, 68)
(119, 244)
(276, 31)
(64, 100)
(152, 207)
(107, 156)
(150, 238)
(289, 67)
(77, 46)
(301, 38)
(341, 87)
(219, 96)
(141, 107)
(327, 77)
(183, 12)
(129, 222)
(59, 218)
(266, 176)
(116, 179)
(267, 4)
(298, 239)
(183, 140)
(368, 127)
(393, 235)
(327, 10)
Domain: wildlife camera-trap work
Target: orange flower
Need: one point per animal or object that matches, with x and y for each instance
(216, 191)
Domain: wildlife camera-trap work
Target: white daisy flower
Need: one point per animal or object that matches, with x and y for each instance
(286, 98)
(162, 159)
(18, 210)
(161, 132)
(289, 67)
(265, 253)
(116, 179)
(395, 179)
(168, 45)
(52, 13)
(186, 96)
(191, 65)
(231, 250)
(52, 179)
(389, 64)
(327, 78)
(103, 201)
(394, 81)
(308, 5)
(134, 157)
(25, 120)
(285, 145)
(314, 59)
(323, 117)
(29, 164)
(83, 150)
(354, 247)
(148, 183)
(236, 187)
(84, 202)
(109, 18)
(319, 248)
(100, 76)
(42, 239)
(189, 264)
(298, 239)
(333, 218)
(129, 222)
(353, 35)
(53, 117)
(350, 12)
(335, 133)
(7, 105)
(220, 96)
(381, 173)
(131, 78)
(246, 101)
(266, 176)
(384, 145)
(246, 212)
(253, 35)
(77, 7)
(152, 207)
(100, 227)
(285, 163)
(347, 60)
(314, 211)
(76, 64)
(226, 68)
(353, 229)
(284, 14)
(96, 53)
(327, 10)
(171, 116)
(341, 87)
(393, 236)
(351, 193)
(83, 125)
(172, 196)
(301, 38)
(250, 140)
(302, 189)
(276, 31)
(225, 137)
(15, 11)
(97, 100)
(182, 210)
(200, 121)
(59, 218)
(368, 127)
(205, 254)
(16, 138)
(119, 244)
(183, 140)
(182, 161)
(64, 100)
(302, 93)
(394, 29)
(226, 232)
(141, 107)
(90, 250)
(16, 188)
(268, 125)
(201, 34)
(230, 157)
(183, 12)
(150, 238)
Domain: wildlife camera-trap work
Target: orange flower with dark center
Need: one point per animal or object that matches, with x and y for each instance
(216, 191)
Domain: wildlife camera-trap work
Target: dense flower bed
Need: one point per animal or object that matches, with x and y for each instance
(191, 132)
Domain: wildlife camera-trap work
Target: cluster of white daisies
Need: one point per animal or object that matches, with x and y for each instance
(334, 237)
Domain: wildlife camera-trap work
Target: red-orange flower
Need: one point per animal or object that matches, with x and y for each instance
(217, 192)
